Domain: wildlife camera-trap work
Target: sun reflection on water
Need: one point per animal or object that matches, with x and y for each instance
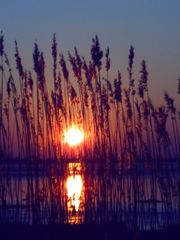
(75, 196)
(74, 189)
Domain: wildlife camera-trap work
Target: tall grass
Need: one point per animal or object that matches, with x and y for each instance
(130, 157)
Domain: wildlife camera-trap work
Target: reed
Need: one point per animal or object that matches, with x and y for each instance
(130, 155)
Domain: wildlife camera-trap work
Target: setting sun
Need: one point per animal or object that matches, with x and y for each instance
(74, 136)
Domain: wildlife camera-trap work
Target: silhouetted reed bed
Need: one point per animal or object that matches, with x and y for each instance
(129, 157)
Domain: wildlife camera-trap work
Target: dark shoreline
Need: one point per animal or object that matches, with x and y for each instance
(89, 231)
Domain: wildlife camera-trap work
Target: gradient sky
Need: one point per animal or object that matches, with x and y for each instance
(151, 26)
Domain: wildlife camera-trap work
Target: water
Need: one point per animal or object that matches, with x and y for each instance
(142, 199)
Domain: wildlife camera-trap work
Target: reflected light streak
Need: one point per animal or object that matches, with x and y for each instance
(74, 188)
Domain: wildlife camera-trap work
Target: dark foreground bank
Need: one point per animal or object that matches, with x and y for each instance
(85, 232)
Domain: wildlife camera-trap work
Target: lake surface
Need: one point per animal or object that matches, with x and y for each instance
(146, 199)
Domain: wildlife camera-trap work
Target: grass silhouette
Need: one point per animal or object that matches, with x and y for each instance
(130, 158)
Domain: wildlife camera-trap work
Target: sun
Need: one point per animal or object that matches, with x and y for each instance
(73, 136)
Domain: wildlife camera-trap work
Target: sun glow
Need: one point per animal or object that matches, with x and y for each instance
(74, 188)
(74, 136)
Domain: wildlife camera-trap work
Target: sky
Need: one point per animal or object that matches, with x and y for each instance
(151, 26)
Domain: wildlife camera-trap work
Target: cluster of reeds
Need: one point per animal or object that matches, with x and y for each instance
(130, 157)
